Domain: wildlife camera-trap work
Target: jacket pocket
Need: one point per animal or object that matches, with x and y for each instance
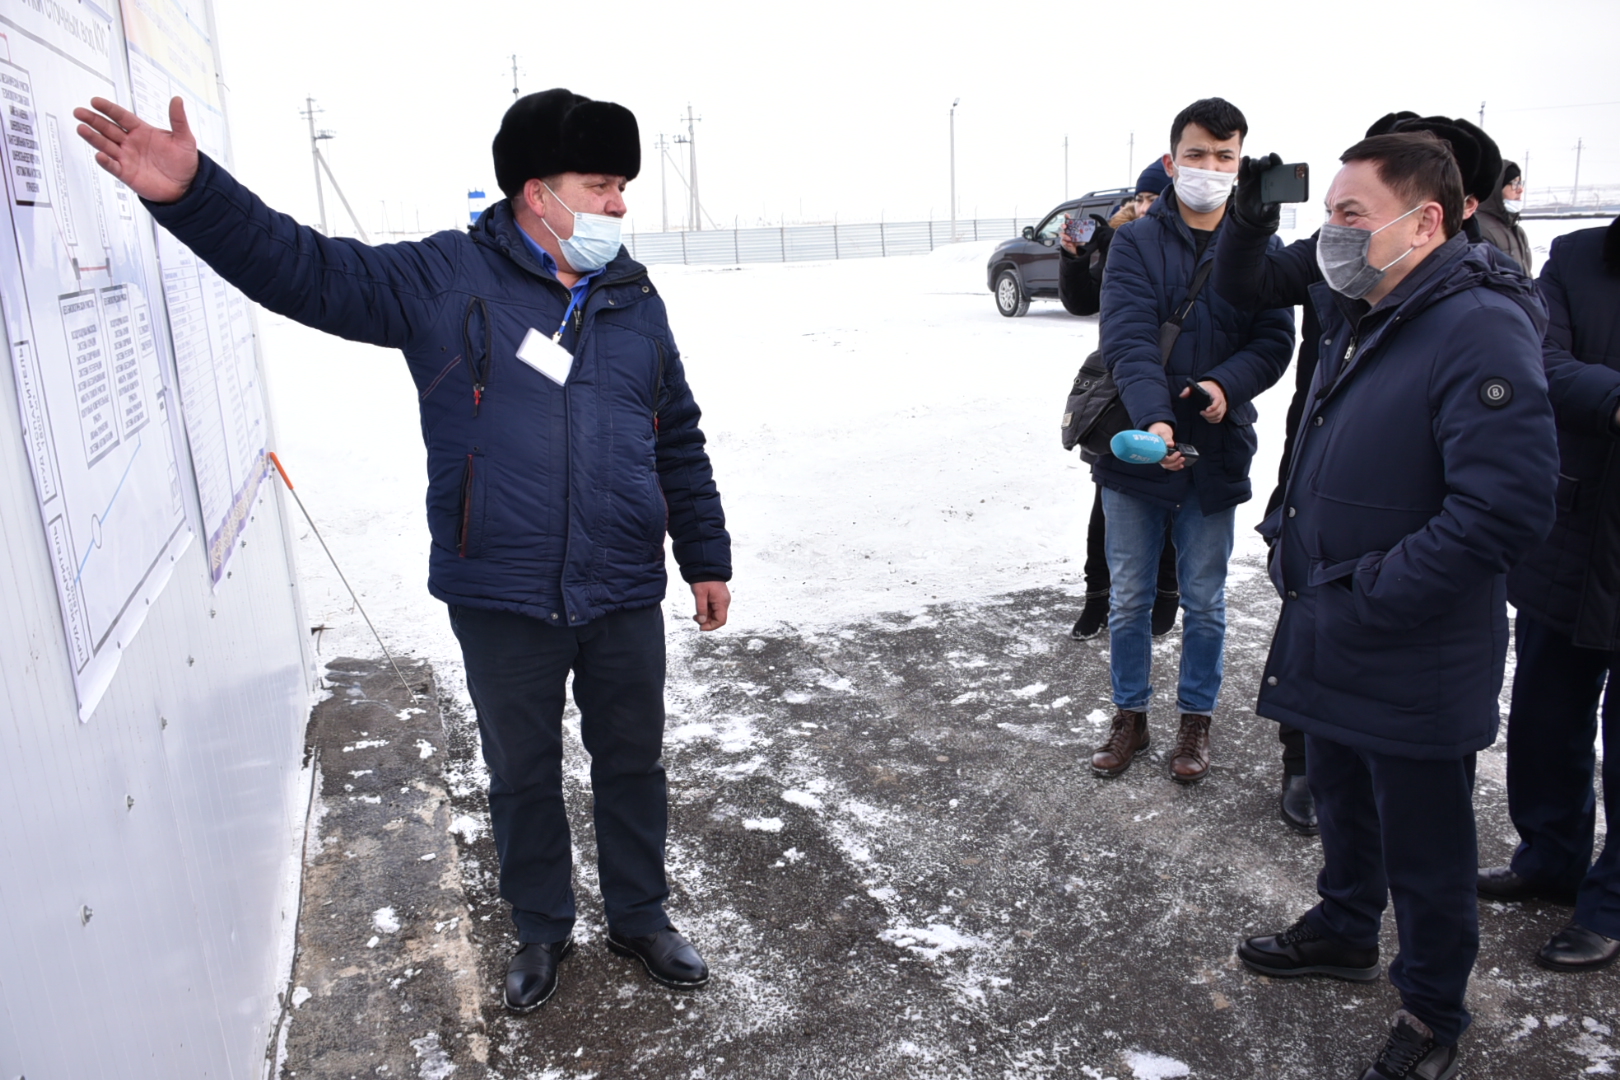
(1396, 673)
(1569, 491)
(470, 521)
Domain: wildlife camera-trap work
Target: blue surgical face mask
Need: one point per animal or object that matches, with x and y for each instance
(596, 238)
(1341, 255)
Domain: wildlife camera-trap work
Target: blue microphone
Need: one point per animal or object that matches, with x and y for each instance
(1146, 448)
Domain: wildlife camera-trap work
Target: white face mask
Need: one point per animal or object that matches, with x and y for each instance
(1203, 190)
(595, 240)
(1513, 206)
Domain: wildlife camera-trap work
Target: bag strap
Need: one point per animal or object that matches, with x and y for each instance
(1171, 330)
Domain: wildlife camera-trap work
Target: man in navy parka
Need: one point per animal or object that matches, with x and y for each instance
(562, 443)
(1423, 470)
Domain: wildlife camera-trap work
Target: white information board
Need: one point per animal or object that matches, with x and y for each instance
(220, 396)
(117, 334)
(77, 279)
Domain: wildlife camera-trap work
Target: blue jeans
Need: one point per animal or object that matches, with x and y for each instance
(1136, 530)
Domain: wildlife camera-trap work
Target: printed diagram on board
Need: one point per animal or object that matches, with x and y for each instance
(87, 350)
(215, 357)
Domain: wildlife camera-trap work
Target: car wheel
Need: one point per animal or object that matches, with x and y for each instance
(1010, 298)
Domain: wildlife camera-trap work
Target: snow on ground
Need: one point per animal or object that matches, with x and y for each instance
(882, 438)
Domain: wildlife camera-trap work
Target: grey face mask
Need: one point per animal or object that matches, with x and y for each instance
(1341, 255)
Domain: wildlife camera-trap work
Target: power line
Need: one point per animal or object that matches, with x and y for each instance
(1579, 105)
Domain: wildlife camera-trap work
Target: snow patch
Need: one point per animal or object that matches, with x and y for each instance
(301, 994)
(763, 824)
(385, 920)
(432, 1061)
(801, 798)
(932, 942)
(1145, 1066)
(424, 748)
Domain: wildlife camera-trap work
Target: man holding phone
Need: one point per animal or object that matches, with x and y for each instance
(1157, 268)
(1425, 467)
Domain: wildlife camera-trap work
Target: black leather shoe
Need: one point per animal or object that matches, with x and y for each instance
(1300, 950)
(1093, 617)
(668, 957)
(1575, 948)
(1297, 807)
(1501, 883)
(1164, 612)
(1410, 1053)
(531, 974)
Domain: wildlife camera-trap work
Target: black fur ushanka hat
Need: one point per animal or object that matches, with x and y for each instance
(557, 131)
(1478, 158)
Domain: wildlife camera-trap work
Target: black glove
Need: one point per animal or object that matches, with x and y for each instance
(1247, 208)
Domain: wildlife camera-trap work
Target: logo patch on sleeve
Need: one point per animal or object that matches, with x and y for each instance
(1495, 393)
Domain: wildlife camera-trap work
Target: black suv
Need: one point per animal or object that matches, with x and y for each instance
(1025, 268)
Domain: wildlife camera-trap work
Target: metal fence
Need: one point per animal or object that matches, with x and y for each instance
(801, 243)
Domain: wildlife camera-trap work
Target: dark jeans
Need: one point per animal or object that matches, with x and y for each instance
(1401, 828)
(1550, 766)
(1098, 581)
(517, 669)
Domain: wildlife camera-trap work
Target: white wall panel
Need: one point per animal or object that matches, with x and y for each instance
(174, 814)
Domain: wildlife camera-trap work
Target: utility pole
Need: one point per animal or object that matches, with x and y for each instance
(1130, 159)
(690, 141)
(1065, 166)
(1482, 116)
(663, 195)
(954, 104)
(1574, 192)
(315, 138)
(514, 76)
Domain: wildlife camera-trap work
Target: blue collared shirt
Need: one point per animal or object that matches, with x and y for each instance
(577, 293)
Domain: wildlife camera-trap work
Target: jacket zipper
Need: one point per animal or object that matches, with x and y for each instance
(466, 507)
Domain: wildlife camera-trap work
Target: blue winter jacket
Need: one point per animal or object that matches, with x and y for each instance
(1150, 268)
(1424, 468)
(545, 499)
(1572, 582)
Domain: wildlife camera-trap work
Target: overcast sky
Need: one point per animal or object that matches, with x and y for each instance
(843, 108)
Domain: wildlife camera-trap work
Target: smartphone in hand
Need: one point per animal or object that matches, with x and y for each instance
(1079, 231)
(1198, 396)
(1286, 183)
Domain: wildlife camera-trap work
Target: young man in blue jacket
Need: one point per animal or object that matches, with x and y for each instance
(1567, 592)
(562, 441)
(1233, 355)
(1423, 469)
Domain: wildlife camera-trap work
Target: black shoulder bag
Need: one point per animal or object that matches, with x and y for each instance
(1094, 414)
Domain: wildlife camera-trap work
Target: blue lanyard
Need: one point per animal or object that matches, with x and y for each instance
(574, 297)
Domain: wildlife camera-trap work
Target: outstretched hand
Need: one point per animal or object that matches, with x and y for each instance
(155, 164)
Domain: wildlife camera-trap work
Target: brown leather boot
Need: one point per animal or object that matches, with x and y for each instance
(1128, 735)
(1189, 761)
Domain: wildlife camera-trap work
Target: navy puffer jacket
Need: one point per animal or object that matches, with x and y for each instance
(1572, 582)
(1424, 469)
(547, 500)
(1151, 264)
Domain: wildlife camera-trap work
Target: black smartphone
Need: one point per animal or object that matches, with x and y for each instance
(1080, 230)
(1199, 396)
(1286, 183)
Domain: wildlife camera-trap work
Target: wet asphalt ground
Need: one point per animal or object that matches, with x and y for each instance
(888, 843)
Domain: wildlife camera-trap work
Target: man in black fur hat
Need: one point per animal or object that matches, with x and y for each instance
(562, 445)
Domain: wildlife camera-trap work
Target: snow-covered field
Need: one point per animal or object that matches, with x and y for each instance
(882, 438)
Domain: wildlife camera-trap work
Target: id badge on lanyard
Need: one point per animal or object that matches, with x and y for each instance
(546, 354)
